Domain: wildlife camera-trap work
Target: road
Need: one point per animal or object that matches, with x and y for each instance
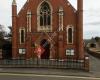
(10, 76)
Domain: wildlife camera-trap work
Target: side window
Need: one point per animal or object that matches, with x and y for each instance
(22, 35)
(70, 35)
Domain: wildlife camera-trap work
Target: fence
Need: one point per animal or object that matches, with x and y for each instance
(44, 63)
(0, 53)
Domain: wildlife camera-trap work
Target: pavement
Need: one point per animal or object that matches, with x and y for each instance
(94, 70)
(41, 71)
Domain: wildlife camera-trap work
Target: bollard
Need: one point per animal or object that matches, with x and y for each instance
(86, 64)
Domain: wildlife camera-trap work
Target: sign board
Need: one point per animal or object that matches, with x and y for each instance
(22, 51)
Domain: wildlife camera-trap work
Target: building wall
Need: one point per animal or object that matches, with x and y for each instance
(60, 46)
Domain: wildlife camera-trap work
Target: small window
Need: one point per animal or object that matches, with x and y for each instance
(70, 52)
(70, 35)
(22, 36)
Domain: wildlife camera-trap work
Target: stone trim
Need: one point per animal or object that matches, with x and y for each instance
(61, 15)
(29, 17)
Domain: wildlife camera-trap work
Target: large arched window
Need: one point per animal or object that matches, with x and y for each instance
(44, 19)
(45, 15)
(70, 35)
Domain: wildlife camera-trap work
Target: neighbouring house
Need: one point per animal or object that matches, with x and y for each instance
(93, 44)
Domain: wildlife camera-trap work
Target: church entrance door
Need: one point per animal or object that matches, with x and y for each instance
(46, 45)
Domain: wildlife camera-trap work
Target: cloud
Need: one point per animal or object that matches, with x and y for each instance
(93, 23)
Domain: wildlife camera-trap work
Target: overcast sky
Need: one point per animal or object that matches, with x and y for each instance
(91, 15)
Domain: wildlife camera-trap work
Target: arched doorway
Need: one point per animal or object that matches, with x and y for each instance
(46, 45)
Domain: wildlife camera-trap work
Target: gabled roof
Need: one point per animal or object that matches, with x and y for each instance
(71, 5)
(26, 3)
(66, 1)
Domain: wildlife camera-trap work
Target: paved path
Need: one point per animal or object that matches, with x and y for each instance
(94, 65)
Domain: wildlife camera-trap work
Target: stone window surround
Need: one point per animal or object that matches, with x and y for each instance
(61, 15)
(70, 26)
(38, 18)
(29, 17)
(22, 28)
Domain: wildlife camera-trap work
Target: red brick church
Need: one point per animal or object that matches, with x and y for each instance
(47, 29)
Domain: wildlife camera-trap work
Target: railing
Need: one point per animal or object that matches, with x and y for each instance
(44, 63)
(0, 53)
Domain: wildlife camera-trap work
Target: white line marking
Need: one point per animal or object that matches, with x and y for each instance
(50, 76)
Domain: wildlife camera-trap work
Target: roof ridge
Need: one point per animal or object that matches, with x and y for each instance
(22, 7)
(71, 5)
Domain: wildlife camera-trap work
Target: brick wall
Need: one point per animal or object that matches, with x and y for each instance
(70, 18)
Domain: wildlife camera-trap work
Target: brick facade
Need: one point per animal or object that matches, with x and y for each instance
(57, 44)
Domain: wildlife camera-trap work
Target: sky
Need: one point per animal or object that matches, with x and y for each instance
(91, 15)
